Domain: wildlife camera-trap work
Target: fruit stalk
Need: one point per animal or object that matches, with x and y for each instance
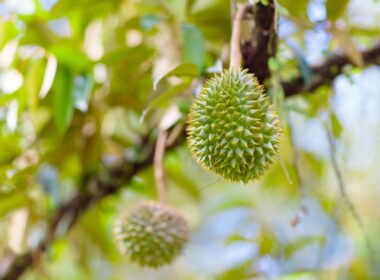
(235, 51)
(158, 165)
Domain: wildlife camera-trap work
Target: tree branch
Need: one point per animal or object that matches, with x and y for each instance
(235, 50)
(263, 43)
(326, 72)
(256, 54)
(98, 186)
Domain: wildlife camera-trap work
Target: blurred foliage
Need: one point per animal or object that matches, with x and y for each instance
(82, 82)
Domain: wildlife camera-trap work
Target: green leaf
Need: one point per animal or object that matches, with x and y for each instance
(126, 55)
(295, 8)
(193, 45)
(306, 72)
(235, 272)
(38, 33)
(213, 18)
(335, 8)
(163, 98)
(12, 201)
(274, 64)
(185, 69)
(314, 164)
(8, 31)
(346, 43)
(336, 125)
(298, 276)
(33, 82)
(178, 8)
(63, 98)
(85, 7)
(71, 56)
(10, 148)
(317, 101)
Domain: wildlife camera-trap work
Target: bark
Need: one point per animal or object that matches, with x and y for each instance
(326, 72)
(257, 51)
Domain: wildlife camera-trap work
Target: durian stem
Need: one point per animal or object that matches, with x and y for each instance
(158, 165)
(235, 51)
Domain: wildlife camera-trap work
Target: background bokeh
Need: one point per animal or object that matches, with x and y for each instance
(82, 82)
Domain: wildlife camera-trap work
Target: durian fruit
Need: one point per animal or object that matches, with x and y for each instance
(233, 130)
(151, 234)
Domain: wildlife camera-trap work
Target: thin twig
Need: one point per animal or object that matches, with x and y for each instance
(302, 211)
(344, 195)
(285, 170)
(210, 184)
(323, 74)
(158, 165)
(173, 136)
(233, 11)
(235, 51)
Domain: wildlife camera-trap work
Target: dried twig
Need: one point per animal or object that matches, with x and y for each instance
(176, 132)
(235, 51)
(158, 165)
(233, 11)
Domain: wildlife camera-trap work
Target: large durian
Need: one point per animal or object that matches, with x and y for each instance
(151, 234)
(233, 130)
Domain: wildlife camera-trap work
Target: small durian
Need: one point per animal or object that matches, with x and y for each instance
(233, 130)
(151, 234)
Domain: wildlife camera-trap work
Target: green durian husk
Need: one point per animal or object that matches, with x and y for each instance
(151, 234)
(233, 130)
